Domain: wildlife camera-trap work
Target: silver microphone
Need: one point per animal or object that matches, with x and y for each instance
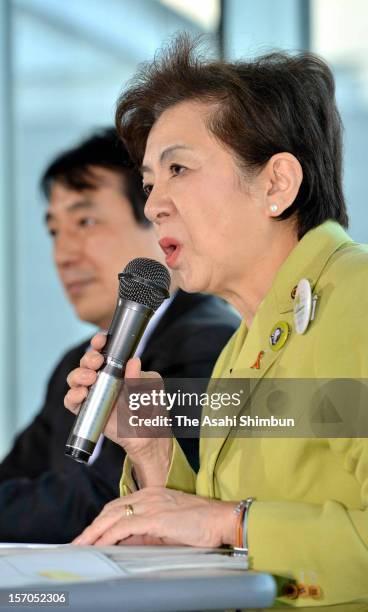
(143, 286)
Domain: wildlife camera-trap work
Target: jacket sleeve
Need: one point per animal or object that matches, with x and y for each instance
(33, 450)
(328, 542)
(30, 454)
(181, 476)
(57, 505)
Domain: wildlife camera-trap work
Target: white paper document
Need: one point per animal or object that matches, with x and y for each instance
(28, 565)
(55, 567)
(146, 559)
(18, 546)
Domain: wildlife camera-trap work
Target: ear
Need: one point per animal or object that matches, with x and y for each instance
(283, 174)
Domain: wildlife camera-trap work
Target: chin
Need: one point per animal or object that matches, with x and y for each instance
(189, 283)
(85, 315)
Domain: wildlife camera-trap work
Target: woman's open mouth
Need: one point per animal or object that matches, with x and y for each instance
(171, 248)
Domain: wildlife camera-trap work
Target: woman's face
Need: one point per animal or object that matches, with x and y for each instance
(210, 223)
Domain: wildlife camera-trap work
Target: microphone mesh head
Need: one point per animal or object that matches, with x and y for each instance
(145, 281)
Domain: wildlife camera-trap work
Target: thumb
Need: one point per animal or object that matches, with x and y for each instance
(133, 368)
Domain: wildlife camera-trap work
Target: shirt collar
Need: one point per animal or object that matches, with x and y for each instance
(152, 324)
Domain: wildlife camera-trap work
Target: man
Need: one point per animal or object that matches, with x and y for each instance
(96, 220)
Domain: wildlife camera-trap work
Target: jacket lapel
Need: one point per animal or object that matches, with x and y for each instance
(245, 378)
(307, 260)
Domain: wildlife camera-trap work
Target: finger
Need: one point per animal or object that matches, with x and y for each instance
(125, 528)
(133, 541)
(92, 360)
(120, 510)
(133, 368)
(147, 540)
(116, 505)
(81, 377)
(96, 529)
(151, 374)
(144, 540)
(74, 398)
(145, 501)
(99, 340)
(119, 504)
(151, 529)
(135, 531)
(146, 495)
(112, 512)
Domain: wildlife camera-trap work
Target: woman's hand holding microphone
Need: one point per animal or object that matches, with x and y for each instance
(150, 456)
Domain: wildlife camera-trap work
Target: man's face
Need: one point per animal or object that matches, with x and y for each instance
(94, 236)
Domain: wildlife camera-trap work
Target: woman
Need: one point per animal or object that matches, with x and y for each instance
(241, 164)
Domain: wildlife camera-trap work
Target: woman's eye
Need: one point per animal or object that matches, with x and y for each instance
(147, 189)
(52, 232)
(176, 169)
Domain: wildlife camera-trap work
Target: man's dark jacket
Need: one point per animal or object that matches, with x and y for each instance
(47, 497)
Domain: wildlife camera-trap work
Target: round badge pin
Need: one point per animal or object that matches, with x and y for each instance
(278, 336)
(302, 306)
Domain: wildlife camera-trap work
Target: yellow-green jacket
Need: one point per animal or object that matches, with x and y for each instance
(310, 518)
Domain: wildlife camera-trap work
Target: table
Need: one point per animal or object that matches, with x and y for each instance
(162, 592)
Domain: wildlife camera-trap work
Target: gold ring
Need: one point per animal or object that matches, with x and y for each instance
(128, 510)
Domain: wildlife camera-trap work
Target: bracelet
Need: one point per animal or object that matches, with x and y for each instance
(241, 539)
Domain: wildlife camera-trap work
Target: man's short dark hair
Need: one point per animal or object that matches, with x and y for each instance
(275, 103)
(104, 149)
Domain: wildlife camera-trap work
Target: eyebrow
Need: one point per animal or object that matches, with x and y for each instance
(165, 154)
(81, 205)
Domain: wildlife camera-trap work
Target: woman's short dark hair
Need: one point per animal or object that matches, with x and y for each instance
(103, 149)
(275, 103)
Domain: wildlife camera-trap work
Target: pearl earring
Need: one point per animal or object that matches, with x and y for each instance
(274, 208)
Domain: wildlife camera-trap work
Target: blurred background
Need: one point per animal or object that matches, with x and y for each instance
(63, 64)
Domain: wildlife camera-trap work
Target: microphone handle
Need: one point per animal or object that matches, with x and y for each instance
(128, 324)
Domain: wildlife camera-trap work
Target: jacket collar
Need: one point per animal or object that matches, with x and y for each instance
(307, 260)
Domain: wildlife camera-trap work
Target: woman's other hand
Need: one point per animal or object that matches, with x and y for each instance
(163, 516)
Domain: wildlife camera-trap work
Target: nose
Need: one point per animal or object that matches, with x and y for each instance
(67, 248)
(159, 206)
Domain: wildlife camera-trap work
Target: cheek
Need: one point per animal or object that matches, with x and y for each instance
(209, 228)
(206, 205)
(105, 258)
